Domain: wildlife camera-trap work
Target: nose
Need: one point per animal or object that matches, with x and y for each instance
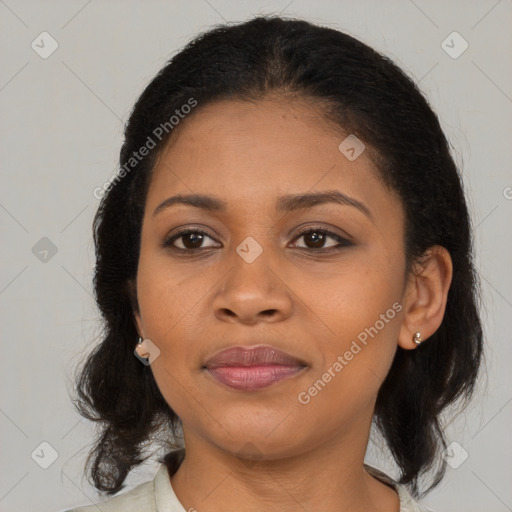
(252, 293)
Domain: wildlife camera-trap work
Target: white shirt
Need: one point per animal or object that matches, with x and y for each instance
(158, 496)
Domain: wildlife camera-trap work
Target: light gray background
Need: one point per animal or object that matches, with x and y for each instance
(61, 131)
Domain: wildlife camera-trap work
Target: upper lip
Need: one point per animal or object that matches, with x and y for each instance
(258, 355)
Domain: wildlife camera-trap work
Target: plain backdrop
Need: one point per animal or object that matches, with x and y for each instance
(62, 117)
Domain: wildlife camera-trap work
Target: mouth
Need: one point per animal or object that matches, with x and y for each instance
(250, 369)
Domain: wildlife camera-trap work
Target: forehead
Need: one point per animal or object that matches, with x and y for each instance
(252, 152)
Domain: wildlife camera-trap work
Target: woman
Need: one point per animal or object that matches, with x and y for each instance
(283, 259)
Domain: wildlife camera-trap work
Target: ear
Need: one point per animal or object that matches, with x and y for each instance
(425, 296)
(132, 291)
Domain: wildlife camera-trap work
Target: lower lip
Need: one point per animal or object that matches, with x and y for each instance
(250, 378)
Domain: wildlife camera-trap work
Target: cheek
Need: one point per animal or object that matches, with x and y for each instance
(354, 364)
(166, 303)
(362, 311)
(348, 302)
(165, 296)
(175, 388)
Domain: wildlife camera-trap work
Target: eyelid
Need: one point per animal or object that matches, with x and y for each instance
(324, 229)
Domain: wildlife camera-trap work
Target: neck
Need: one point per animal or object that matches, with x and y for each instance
(329, 477)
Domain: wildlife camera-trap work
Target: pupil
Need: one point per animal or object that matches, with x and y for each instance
(317, 238)
(195, 239)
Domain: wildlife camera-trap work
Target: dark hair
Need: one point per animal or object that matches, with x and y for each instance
(367, 95)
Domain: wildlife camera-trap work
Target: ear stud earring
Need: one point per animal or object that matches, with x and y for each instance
(417, 338)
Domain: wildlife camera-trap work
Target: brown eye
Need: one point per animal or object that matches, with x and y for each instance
(188, 240)
(317, 238)
(192, 240)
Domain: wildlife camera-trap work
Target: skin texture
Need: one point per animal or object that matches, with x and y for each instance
(265, 449)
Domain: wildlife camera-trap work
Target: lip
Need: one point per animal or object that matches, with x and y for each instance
(253, 368)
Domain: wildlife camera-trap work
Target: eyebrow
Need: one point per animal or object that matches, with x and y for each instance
(284, 204)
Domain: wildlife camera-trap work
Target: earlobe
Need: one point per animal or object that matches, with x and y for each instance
(426, 297)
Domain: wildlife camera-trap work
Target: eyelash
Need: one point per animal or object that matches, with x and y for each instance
(342, 242)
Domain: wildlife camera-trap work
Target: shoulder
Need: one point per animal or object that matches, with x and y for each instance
(154, 496)
(140, 499)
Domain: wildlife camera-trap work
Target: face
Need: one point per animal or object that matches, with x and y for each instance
(262, 267)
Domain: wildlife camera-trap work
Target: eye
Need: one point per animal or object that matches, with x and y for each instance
(316, 238)
(188, 240)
